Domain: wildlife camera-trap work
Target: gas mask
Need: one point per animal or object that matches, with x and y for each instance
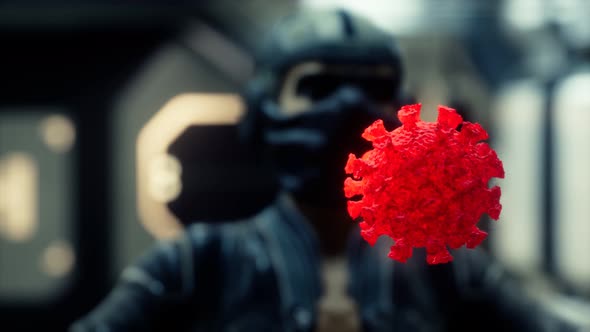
(321, 78)
(317, 120)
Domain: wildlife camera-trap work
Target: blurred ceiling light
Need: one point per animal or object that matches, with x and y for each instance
(164, 178)
(158, 173)
(571, 16)
(525, 15)
(58, 132)
(19, 190)
(58, 259)
(395, 16)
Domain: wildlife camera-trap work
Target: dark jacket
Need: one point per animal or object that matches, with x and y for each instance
(262, 274)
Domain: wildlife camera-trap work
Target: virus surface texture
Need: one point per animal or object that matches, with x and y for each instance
(424, 184)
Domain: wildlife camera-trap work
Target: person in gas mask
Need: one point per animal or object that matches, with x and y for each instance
(300, 265)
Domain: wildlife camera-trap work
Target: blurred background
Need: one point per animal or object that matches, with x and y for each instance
(117, 126)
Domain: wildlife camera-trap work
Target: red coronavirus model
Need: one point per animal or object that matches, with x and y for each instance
(424, 184)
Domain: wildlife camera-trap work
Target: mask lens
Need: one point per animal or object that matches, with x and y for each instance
(318, 87)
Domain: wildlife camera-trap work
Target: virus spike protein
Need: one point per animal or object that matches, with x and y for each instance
(424, 184)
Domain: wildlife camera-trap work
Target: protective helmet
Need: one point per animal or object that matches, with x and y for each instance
(333, 37)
